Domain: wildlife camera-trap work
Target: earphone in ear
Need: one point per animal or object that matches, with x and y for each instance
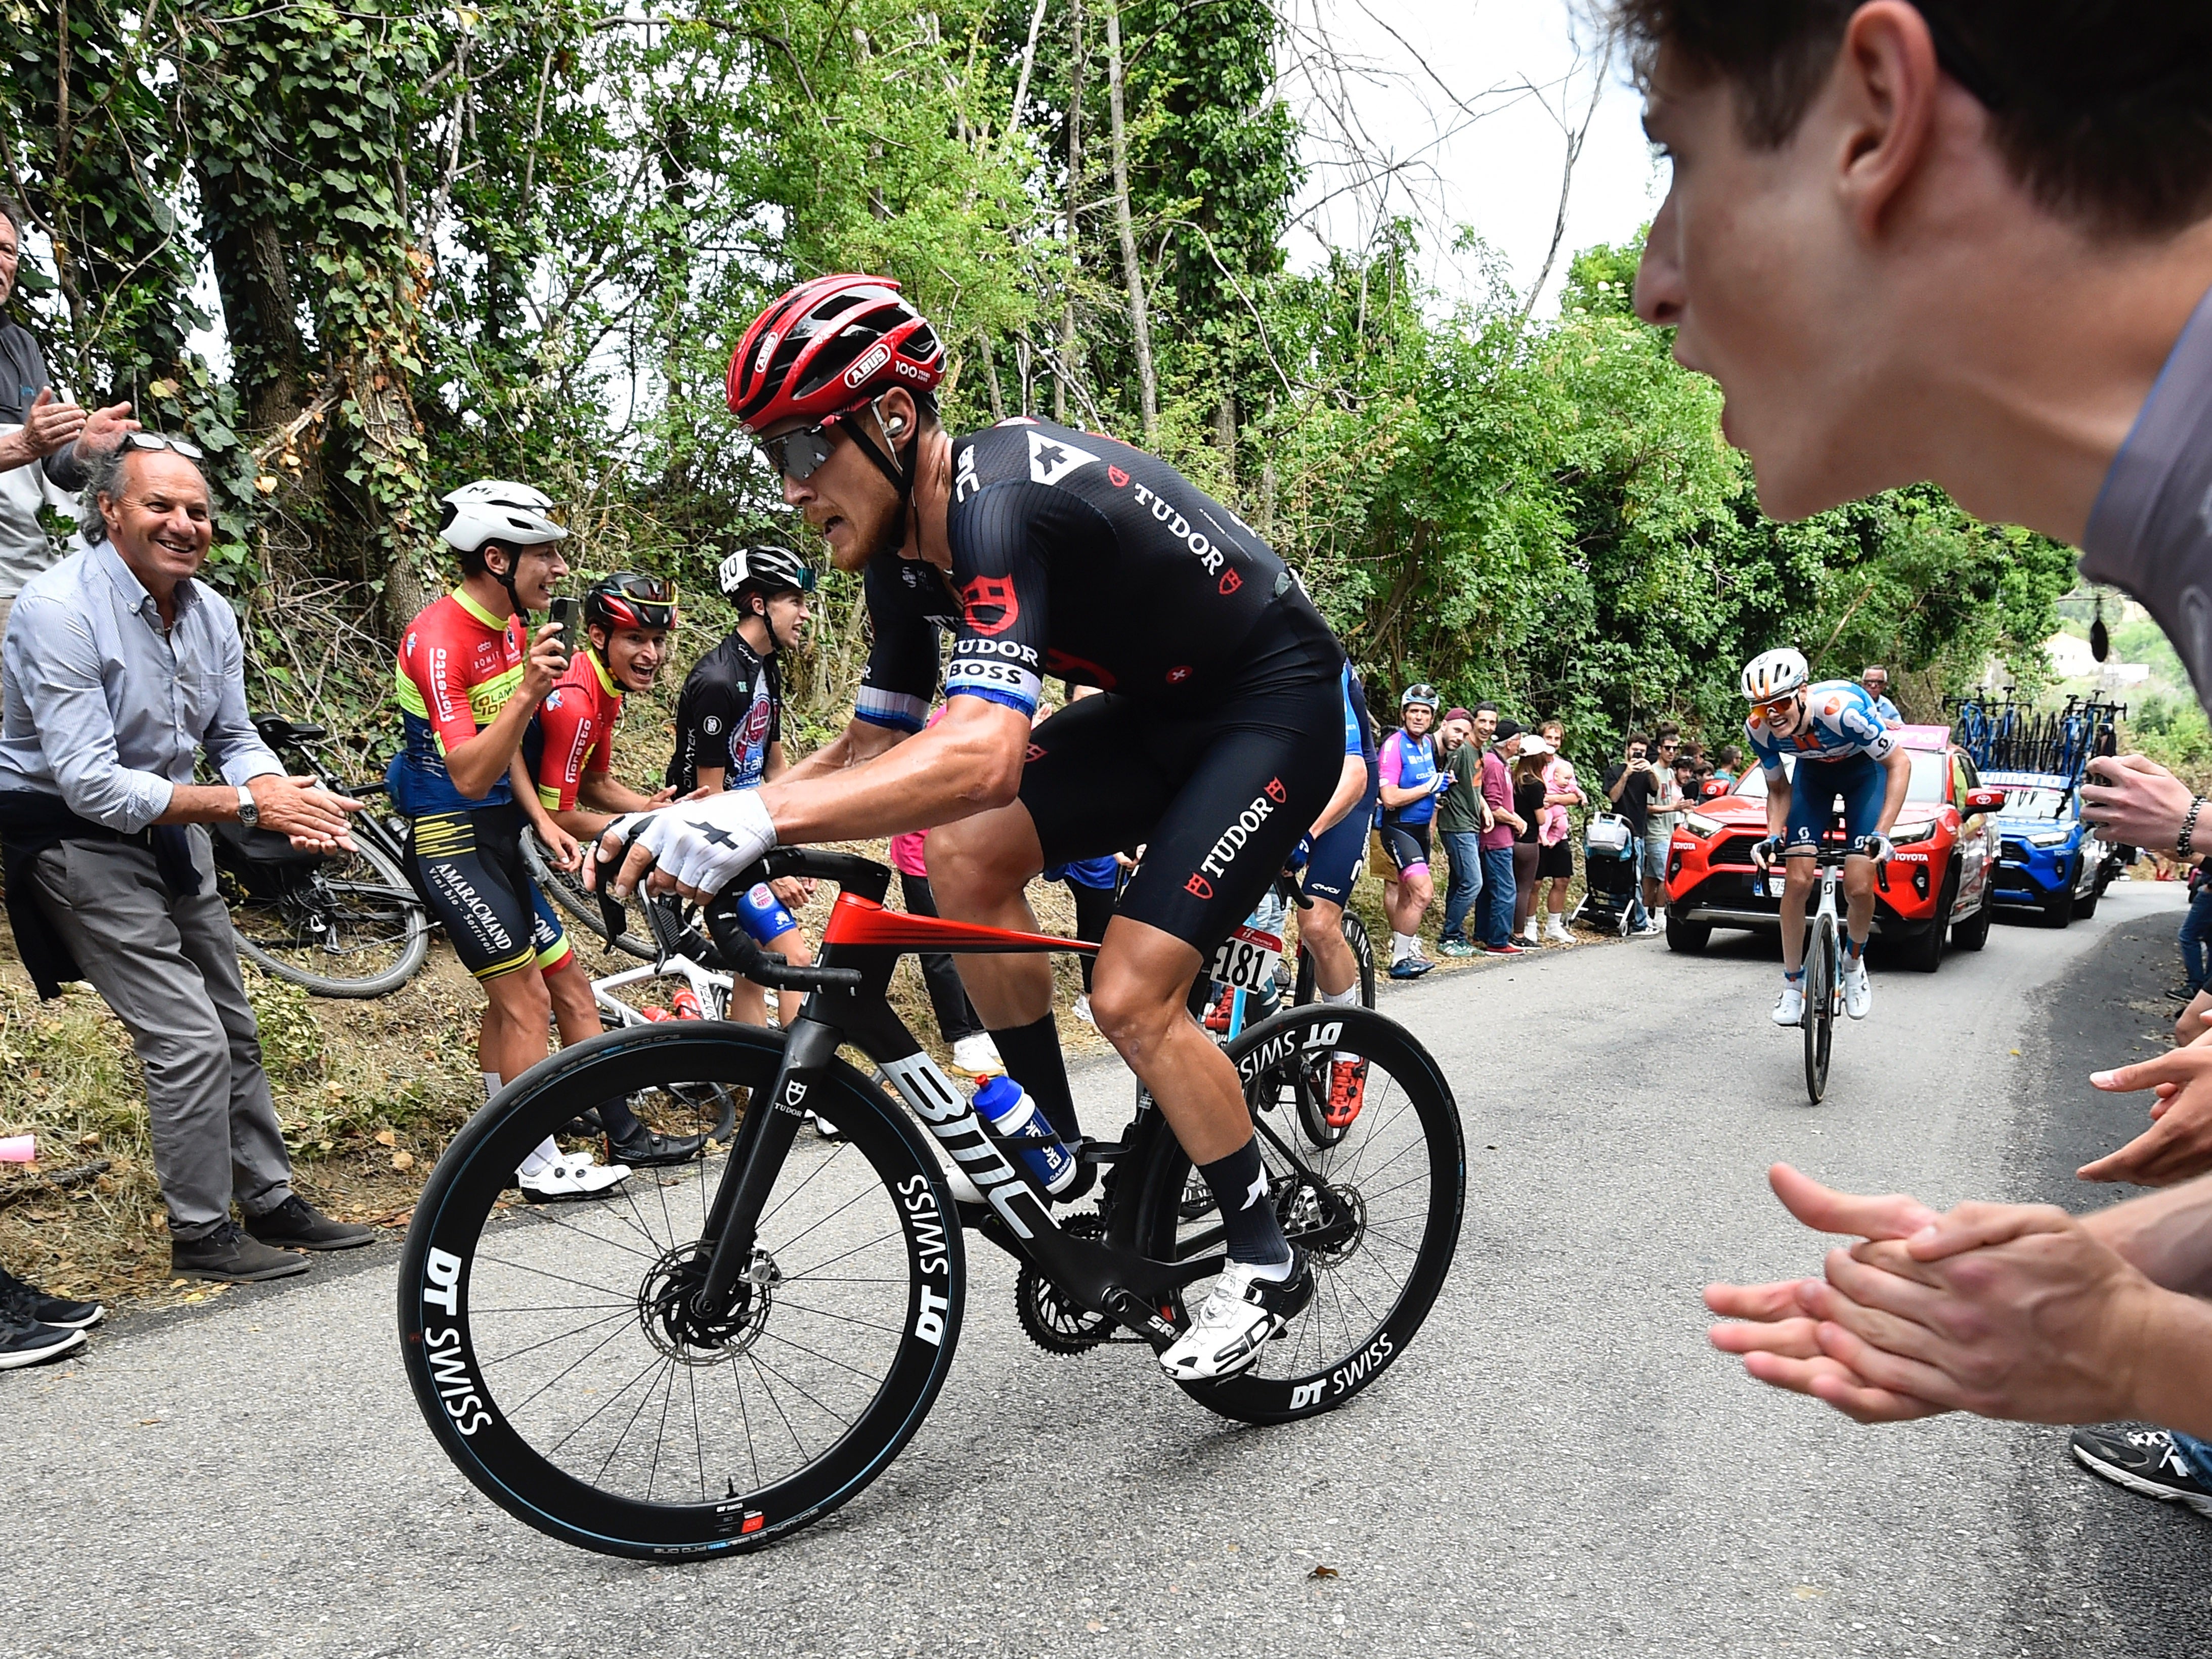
(897, 423)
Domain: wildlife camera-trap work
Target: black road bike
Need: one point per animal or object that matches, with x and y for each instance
(724, 1352)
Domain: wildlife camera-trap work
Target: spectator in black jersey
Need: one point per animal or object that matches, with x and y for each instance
(1872, 205)
(1045, 550)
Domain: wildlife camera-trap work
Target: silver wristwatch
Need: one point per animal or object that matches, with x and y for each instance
(248, 813)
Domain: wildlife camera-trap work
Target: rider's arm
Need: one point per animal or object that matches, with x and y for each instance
(477, 762)
(1351, 785)
(601, 794)
(1778, 804)
(774, 761)
(861, 741)
(967, 762)
(1898, 765)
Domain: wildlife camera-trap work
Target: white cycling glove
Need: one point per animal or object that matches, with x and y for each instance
(704, 844)
(1875, 847)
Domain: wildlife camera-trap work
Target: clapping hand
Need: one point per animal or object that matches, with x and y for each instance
(2178, 1146)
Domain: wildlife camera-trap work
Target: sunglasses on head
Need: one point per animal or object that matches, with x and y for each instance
(645, 590)
(154, 440)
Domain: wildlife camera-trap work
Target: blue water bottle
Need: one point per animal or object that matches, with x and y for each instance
(1017, 1117)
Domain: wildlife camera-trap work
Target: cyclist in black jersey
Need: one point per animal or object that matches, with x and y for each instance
(729, 735)
(1047, 551)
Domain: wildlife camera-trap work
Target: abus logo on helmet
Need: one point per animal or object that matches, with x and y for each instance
(878, 355)
(767, 351)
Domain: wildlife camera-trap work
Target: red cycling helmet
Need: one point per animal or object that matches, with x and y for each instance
(829, 345)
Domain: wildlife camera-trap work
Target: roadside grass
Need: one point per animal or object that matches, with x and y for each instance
(369, 1093)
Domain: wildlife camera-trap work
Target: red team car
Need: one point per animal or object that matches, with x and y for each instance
(1940, 880)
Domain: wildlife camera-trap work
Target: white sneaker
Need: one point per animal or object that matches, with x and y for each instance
(1858, 995)
(1083, 1010)
(1557, 932)
(1789, 1007)
(976, 1055)
(1529, 934)
(571, 1176)
(1234, 1323)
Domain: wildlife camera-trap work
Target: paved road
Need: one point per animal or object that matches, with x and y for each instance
(1560, 1466)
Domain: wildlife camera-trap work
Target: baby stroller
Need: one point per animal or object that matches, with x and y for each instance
(1609, 875)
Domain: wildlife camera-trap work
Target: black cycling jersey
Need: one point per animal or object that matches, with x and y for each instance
(1073, 556)
(730, 711)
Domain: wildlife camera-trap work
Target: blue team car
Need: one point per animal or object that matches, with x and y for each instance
(2053, 862)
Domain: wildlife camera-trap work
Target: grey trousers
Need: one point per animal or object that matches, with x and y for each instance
(169, 969)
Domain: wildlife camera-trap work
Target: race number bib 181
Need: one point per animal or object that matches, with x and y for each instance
(1247, 958)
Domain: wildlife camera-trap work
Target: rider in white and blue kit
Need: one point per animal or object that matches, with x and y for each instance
(1841, 746)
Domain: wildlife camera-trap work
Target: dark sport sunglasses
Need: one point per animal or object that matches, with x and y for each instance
(797, 454)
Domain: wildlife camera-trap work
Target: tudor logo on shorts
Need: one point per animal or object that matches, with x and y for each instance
(988, 605)
(1230, 582)
(1035, 752)
(1118, 479)
(1225, 851)
(1276, 792)
(1199, 887)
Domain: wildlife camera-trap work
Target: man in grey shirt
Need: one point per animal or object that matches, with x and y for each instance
(120, 668)
(44, 440)
(1973, 244)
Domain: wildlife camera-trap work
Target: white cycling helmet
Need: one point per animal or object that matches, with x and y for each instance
(495, 510)
(1772, 674)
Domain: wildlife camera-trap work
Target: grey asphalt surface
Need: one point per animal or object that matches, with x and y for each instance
(1559, 1464)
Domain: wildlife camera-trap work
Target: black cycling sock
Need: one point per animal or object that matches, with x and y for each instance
(619, 1120)
(1239, 1186)
(1032, 1056)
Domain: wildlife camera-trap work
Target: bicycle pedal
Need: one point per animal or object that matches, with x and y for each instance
(1100, 1152)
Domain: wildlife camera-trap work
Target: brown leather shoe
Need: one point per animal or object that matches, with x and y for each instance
(229, 1257)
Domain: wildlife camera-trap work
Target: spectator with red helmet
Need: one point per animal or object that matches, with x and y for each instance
(570, 752)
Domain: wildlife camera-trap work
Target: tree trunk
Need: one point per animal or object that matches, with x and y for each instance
(384, 428)
(1224, 433)
(1074, 202)
(991, 376)
(1132, 273)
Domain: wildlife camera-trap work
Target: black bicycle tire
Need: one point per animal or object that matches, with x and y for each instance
(458, 1198)
(569, 895)
(1158, 1192)
(411, 956)
(1819, 1005)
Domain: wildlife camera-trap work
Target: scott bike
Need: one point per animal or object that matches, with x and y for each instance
(722, 1353)
(1824, 964)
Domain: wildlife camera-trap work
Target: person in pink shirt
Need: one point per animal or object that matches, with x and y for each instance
(1555, 834)
(1495, 930)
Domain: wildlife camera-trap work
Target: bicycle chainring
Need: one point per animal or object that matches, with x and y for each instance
(1048, 1316)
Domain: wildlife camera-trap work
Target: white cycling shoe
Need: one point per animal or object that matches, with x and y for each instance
(1240, 1315)
(1858, 995)
(977, 1055)
(571, 1176)
(1789, 1007)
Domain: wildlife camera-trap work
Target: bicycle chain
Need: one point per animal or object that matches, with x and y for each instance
(1048, 1317)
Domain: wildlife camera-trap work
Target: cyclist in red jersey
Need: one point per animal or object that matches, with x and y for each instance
(468, 683)
(1045, 550)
